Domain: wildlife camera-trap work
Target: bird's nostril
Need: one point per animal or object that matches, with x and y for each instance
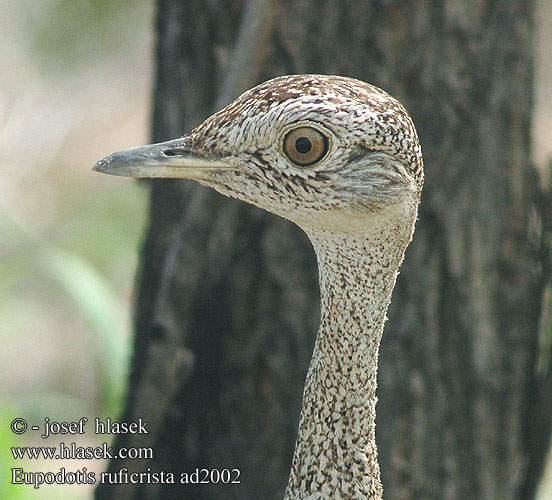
(174, 152)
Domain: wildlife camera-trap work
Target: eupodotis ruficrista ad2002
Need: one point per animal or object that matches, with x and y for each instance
(341, 159)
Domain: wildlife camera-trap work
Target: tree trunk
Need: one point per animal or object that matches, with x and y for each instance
(227, 302)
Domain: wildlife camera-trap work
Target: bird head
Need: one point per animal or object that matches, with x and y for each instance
(318, 150)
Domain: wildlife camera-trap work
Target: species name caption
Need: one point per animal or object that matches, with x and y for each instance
(72, 451)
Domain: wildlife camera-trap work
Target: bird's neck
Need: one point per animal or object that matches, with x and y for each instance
(336, 451)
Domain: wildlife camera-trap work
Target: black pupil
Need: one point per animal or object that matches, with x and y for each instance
(303, 145)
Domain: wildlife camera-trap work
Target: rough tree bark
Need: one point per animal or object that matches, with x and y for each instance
(227, 301)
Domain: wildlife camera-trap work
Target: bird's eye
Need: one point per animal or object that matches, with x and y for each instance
(305, 146)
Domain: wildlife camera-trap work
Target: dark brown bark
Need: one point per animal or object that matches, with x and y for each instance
(227, 301)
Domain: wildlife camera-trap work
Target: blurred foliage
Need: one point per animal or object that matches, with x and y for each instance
(71, 268)
(63, 28)
(76, 88)
(83, 290)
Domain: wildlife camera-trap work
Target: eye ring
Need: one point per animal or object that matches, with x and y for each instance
(305, 146)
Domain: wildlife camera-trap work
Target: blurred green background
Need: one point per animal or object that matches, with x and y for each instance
(75, 85)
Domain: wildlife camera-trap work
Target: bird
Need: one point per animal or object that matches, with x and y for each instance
(341, 159)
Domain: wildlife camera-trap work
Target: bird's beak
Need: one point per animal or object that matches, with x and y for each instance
(164, 159)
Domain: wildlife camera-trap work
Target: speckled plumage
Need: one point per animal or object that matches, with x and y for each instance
(358, 206)
(360, 117)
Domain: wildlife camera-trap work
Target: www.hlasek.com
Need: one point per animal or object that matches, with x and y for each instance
(72, 451)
